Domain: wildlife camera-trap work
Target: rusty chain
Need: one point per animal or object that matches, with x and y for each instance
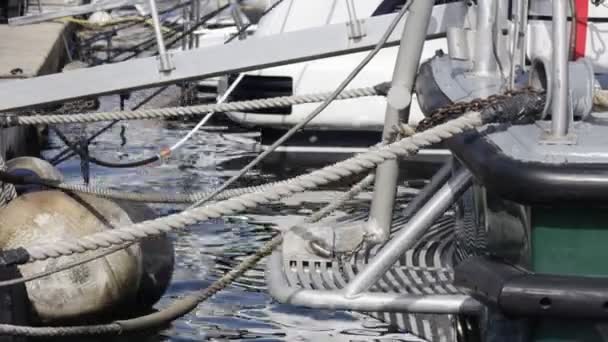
(454, 110)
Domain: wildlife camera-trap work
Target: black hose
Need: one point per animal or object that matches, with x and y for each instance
(56, 160)
(75, 148)
(65, 154)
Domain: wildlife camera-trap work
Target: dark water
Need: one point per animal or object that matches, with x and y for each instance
(244, 311)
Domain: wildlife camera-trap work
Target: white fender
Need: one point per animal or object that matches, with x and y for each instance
(87, 290)
(133, 279)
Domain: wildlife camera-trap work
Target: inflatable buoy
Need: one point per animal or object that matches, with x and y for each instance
(158, 258)
(86, 290)
(134, 278)
(36, 166)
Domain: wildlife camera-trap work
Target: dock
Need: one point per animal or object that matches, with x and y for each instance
(44, 53)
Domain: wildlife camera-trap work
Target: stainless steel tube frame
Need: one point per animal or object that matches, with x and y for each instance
(484, 60)
(197, 20)
(560, 111)
(398, 107)
(437, 181)
(279, 288)
(409, 234)
(165, 62)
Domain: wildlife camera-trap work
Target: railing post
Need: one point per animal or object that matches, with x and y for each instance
(398, 108)
(165, 61)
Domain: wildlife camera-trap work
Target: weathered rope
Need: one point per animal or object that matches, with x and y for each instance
(147, 197)
(368, 160)
(600, 100)
(354, 165)
(181, 306)
(63, 267)
(238, 106)
(7, 190)
(158, 197)
(518, 109)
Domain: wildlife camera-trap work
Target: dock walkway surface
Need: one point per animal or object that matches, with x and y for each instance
(29, 51)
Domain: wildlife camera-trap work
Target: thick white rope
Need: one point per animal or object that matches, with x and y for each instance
(7, 190)
(158, 197)
(172, 112)
(354, 165)
(183, 305)
(600, 100)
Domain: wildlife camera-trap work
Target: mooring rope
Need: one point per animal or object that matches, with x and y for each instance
(365, 161)
(7, 190)
(179, 307)
(10, 120)
(147, 197)
(334, 95)
(63, 267)
(600, 100)
(355, 165)
(521, 107)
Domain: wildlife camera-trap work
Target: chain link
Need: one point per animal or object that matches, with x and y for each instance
(452, 111)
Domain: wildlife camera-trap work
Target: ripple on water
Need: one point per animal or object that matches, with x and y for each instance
(244, 311)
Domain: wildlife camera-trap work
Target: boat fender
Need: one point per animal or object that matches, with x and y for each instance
(158, 258)
(157, 252)
(85, 291)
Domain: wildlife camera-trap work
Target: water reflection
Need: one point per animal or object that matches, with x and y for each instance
(244, 311)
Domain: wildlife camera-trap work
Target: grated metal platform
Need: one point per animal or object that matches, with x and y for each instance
(424, 269)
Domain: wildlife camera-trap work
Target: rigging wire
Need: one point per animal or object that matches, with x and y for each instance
(315, 112)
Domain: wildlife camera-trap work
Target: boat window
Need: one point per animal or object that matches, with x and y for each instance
(391, 6)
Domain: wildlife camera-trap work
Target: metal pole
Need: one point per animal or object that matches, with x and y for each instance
(185, 26)
(238, 20)
(523, 31)
(436, 182)
(165, 63)
(515, 43)
(484, 62)
(559, 87)
(408, 236)
(398, 107)
(192, 23)
(197, 19)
